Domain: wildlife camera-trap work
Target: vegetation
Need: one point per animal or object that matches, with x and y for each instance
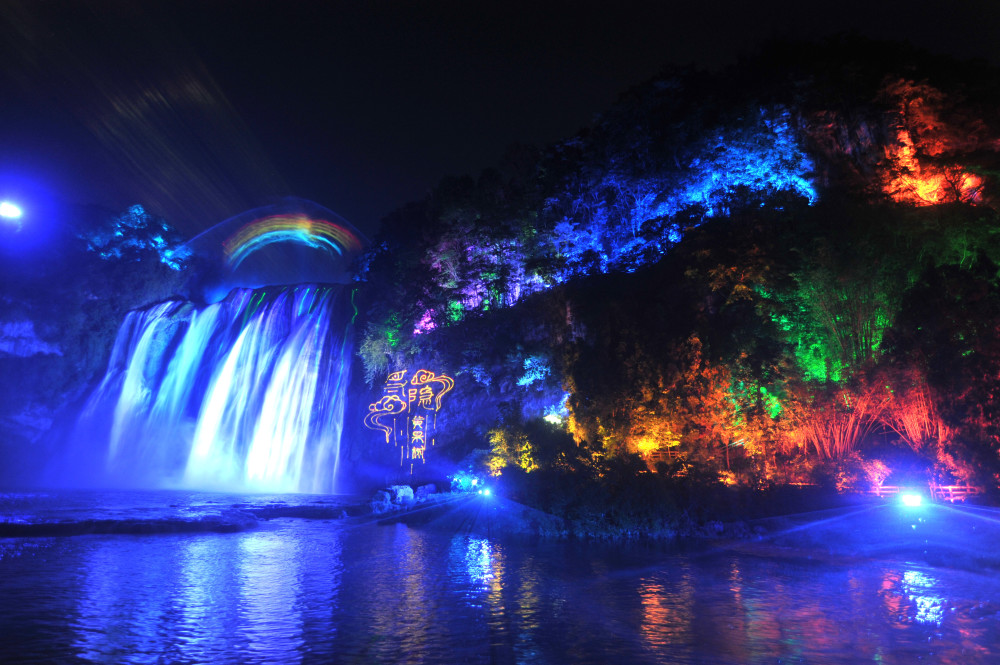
(772, 275)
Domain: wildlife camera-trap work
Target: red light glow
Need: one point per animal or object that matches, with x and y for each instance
(908, 180)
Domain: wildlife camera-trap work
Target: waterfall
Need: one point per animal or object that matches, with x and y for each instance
(245, 394)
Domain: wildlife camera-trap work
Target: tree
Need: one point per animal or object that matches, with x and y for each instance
(949, 330)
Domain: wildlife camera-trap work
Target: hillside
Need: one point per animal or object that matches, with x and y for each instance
(784, 272)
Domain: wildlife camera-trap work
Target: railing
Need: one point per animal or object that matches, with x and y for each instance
(953, 493)
(662, 455)
(950, 493)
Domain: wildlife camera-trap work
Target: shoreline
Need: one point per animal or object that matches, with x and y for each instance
(828, 528)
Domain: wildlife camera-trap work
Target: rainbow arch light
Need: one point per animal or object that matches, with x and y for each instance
(300, 229)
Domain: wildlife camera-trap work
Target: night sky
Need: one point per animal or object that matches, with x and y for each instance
(203, 110)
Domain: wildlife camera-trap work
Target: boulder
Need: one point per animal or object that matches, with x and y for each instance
(381, 502)
(425, 491)
(401, 494)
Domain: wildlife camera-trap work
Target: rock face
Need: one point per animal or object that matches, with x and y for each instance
(59, 310)
(43, 375)
(23, 420)
(19, 339)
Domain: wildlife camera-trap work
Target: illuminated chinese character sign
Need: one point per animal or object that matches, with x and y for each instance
(407, 411)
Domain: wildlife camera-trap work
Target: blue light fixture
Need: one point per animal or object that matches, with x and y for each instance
(10, 210)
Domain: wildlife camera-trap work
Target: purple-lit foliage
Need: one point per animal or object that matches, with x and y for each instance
(614, 218)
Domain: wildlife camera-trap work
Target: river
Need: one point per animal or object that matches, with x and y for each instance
(174, 577)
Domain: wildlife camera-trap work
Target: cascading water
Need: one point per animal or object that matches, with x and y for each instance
(244, 394)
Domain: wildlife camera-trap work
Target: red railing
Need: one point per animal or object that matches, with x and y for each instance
(950, 493)
(953, 493)
(663, 455)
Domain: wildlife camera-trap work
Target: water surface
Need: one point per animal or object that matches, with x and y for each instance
(334, 589)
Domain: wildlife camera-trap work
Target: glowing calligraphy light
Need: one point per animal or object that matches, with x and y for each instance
(425, 378)
(316, 233)
(389, 405)
(408, 410)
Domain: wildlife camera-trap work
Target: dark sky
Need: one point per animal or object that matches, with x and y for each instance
(202, 110)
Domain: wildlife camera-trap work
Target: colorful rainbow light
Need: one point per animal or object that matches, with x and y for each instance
(316, 233)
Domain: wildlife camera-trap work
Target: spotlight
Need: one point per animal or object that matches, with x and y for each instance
(911, 499)
(10, 210)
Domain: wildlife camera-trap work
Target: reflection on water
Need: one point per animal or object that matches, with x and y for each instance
(919, 588)
(133, 605)
(189, 599)
(666, 608)
(301, 591)
(206, 577)
(270, 587)
(476, 557)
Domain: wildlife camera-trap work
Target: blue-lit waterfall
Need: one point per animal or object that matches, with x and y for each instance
(245, 394)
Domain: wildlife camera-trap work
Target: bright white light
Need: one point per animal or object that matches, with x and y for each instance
(920, 588)
(486, 491)
(911, 499)
(10, 210)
